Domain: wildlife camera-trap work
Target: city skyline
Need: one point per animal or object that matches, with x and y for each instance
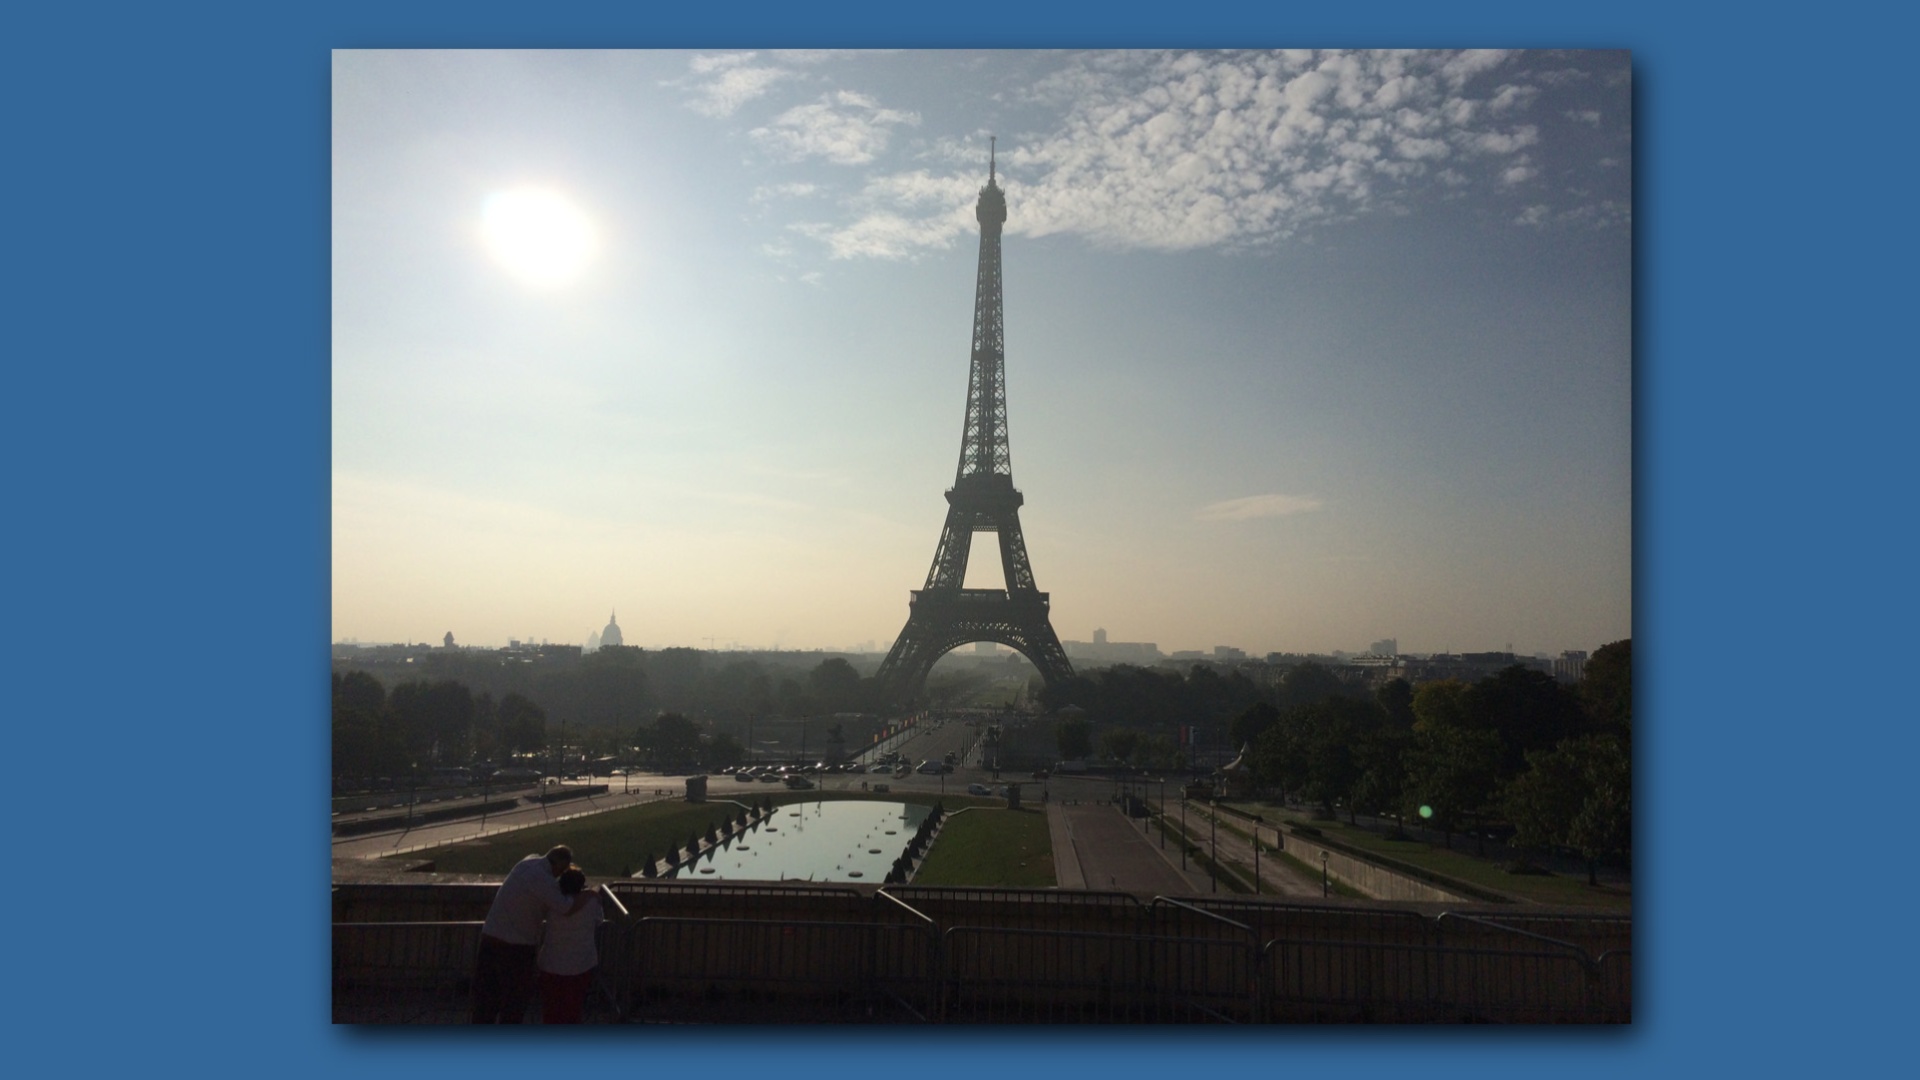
(1303, 350)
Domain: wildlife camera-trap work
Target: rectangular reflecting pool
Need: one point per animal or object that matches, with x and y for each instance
(840, 840)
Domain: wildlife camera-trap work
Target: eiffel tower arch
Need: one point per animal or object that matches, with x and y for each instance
(943, 615)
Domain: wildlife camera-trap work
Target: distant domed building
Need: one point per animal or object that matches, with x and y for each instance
(611, 635)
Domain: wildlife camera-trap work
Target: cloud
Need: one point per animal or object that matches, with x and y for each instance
(1253, 507)
(1180, 150)
(887, 235)
(1505, 142)
(771, 192)
(843, 127)
(724, 83)
(1511, 97)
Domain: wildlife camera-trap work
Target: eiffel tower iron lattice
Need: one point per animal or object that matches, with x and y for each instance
(945, 615)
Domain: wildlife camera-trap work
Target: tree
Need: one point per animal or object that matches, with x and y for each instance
(1395, 697)
(1159, 751)
(835, 685)
(1309, 751)
(486, 727)
(1541, 803)
(1577, 795)
(723, 751)
(1441, 703)
(435, 719)
(358, 690)
(674, 676)
(609, 688)
(1307, 684)
(1604, 824)
(1247, 728)
(673, 740)
(1452, 771)
(523, 725)
(1074, 735)
(1529, 709)
(1606, 686)
(1120, 743)
(1380, 756)
(366, 742)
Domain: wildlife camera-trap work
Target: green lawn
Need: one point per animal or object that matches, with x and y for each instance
(1461, 863)
(612, 844)
(1008, 848)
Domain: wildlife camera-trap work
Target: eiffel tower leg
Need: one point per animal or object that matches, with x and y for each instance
(903, 674)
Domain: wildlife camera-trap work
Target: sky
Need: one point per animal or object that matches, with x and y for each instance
(1303, 349)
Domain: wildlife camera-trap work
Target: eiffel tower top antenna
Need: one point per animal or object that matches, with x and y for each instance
(990, 158)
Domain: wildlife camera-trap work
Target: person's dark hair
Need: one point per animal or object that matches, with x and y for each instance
(572, 880)
(560, 855)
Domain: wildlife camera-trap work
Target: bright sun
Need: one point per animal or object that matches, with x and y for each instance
(538, 236)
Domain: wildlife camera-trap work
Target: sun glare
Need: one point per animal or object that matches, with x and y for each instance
(538, 235)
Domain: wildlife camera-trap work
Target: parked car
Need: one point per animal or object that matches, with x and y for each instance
(979, 789)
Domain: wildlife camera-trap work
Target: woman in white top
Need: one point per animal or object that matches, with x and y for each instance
(567, 955)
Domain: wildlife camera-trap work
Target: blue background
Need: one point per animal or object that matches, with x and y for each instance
(166, 315)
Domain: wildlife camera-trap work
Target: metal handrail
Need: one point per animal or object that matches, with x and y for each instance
(1586, 960)
(883, 894)
(1171, 902)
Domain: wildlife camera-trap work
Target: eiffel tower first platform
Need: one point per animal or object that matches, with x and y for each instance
(943, 615)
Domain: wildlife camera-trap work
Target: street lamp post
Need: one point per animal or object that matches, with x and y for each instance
(1163, 813)
(1183, 830)
(1213, 846)
(1326, 879)
(1256, 855)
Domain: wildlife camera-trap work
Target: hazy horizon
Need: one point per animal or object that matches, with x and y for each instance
(1303, 350)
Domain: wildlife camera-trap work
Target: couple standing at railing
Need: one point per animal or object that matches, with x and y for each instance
(541, 926)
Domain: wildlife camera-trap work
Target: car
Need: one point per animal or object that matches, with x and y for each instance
(743, 778)
(979, 789)
(799, 783)
(769, 778)
(1041, 774)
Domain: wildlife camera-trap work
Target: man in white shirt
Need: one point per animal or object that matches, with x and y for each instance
(505, 969)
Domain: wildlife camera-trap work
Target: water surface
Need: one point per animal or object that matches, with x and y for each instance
(838, 840)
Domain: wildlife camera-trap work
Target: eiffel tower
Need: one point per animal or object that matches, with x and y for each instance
(943, 616)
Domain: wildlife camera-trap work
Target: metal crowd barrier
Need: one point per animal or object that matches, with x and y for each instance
(697, 952)
(403, 972)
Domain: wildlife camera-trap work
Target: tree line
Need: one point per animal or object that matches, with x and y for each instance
(1516, 748)
(611, 701)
